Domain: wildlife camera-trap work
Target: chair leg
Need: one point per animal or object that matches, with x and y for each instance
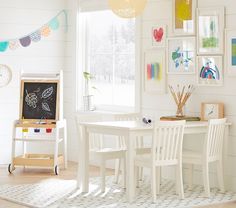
(117, 170)
(220, 175)
(136, 175)
(124, 173)
(153, 184)
(190, 176)
(205, 171)
(102, 174)
(179, 181)
(158, 178)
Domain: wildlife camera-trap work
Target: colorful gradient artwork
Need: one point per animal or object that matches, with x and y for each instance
(183, 11)
(154, 71)
(233, 45)
(209, 70)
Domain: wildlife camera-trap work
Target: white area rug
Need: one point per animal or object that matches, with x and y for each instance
(37, 195)
(55, 194)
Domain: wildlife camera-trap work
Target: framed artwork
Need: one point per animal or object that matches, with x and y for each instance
(155, 78)
(181, 55)
(159, 36)
(210, 30)
(184, 17)
(212, 111)
(230, 57)
(210, 72)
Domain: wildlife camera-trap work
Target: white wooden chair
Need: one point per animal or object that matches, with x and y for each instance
(138, 142)
(212, 152)
(97, 149)
(166, 151)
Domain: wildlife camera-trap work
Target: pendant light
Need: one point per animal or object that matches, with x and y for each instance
(127, 8)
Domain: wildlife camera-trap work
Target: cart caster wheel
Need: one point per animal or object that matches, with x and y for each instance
(56, 170)
(10, 168)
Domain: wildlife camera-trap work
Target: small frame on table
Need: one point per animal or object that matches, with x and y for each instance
(210, 33)
(210, 72)
(184, 17)
(154, 69)
(212, 111)
(181, 55)
(230, 41)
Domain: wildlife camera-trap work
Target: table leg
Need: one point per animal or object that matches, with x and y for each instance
(225, 151)
(83, 167)
(130, 189)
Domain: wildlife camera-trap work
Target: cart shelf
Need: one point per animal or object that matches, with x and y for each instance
(37, 160)
(40, 160)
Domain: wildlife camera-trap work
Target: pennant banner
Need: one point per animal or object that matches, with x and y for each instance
(35, 36)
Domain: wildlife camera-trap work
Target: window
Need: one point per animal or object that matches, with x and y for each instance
(109, 43)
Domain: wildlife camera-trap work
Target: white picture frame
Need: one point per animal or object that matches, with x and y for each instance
(210, 30)
(181, 55)
(182, 27)
(158, 35)
(210, 70)
(230, 52)
(155, 71)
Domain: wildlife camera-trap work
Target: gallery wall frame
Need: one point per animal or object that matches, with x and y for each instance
(210, 30)
(212, 111)
(159, 34)
(181, 55)
(184, 17)
(155, 71)
(230, 51)
(209, 70)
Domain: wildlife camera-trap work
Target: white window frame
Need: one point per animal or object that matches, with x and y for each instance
(81, 54)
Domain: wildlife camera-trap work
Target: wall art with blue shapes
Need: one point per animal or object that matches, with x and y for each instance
(210, 70)
(181, 55)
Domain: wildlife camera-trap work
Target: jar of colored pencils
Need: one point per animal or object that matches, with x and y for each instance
(180, 97)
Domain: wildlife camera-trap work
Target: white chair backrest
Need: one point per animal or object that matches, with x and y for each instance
(215, 138)
(126, 117)
(95, 140)
(167, 142)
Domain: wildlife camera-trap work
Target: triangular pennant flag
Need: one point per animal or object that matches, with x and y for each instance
(25, 41)
(45, 31)
(36, 36)
(14, 44)
(3, 46)
(54, 24)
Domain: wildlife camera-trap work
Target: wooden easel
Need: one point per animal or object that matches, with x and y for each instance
(57, 123)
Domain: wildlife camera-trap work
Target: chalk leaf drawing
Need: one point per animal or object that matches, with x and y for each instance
(47, 93)
(31, 99)
(45, 107)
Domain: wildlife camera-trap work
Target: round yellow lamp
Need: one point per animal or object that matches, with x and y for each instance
(127, 8)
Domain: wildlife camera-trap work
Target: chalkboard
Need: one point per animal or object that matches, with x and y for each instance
(39, 100)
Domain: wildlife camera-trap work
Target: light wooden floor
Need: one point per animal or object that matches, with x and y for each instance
(21, 176)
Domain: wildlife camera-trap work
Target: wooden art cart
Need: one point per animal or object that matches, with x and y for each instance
(40, 116)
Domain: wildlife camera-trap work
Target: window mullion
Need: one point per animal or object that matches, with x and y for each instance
(113, 62)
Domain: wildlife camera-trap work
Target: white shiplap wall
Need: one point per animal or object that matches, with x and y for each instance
(71, 87)
(19, 18)
(160, 11)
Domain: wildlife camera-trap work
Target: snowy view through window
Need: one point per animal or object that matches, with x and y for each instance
(111, 58)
